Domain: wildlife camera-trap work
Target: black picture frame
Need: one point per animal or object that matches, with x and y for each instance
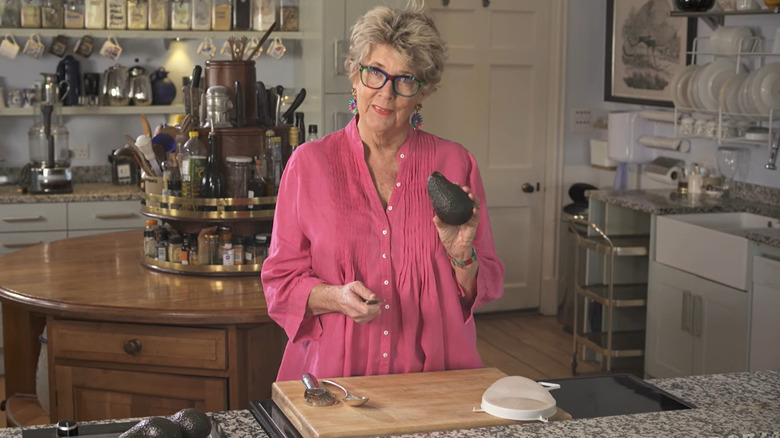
(645, 49)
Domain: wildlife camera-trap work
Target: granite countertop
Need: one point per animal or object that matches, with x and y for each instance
(89, 192)
(737, 404)
(746, 198)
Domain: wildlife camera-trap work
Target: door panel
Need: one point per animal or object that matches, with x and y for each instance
(722, 345)
(493, 99)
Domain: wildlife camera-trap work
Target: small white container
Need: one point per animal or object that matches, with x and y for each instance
(598, 155)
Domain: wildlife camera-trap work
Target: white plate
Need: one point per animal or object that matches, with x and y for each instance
(679, 85)
(731, 94)
(711, 79)
(745, 99)
(518, 398)
(765, 88)
(692, 89)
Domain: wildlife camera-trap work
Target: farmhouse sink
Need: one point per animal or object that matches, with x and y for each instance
(710, 245)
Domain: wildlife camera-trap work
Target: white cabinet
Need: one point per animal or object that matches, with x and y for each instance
(23, 225)
(85, 218)
(764, 322)
(694, 326)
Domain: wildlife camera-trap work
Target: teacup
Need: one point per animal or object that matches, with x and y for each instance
(15, 98)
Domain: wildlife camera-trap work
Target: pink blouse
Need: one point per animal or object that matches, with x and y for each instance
(330, 227)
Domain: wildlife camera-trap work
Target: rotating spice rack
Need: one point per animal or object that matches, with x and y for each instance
(190, 215)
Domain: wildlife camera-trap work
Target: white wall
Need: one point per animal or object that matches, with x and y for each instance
(585, 89)
(105, 133)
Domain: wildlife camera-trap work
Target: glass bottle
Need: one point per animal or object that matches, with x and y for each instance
(237, 176)
(226, 252)
(137, 14)
(174, 248)
(181, 14)
(149, 239)
(277, 163)
(263, 14)
(201, 14)
(116, 14)
(31, 13)
(171, 176)
(242, 14)
(249, 250)
(288, 15)
(220, 15)
(158, 15)
(193, 162)
(257, 184)
(161, 244)
(95, 14)
(185, 250)
(74, 14)
(268, 162)
(212, 184)
(312, 133)
(52, 14)
(299, 124)
(238, 252)
(10, 13)
(261, 247)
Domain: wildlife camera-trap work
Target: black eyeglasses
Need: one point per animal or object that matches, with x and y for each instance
(403, 85)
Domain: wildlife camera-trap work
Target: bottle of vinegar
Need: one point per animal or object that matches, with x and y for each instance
(212, 183)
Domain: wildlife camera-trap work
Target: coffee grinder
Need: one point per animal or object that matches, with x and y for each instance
(49, 154)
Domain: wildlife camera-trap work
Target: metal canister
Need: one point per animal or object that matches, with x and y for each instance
(218, 106)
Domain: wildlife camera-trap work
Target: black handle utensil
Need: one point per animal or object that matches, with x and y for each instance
(287, 117)
(239, 105)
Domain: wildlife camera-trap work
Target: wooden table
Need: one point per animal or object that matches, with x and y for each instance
(125, 341)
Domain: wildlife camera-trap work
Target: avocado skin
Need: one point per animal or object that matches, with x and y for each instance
(451, 204)
(193, 423)
(154, 427)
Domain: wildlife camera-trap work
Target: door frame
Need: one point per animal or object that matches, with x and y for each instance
(553, 177)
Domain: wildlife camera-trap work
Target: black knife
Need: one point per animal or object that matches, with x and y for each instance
(279, 99)
(263, 113)
(195, 96)
(287, 117)
(272, 99)
(239, 105)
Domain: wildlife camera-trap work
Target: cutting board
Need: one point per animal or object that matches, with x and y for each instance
(399, 403)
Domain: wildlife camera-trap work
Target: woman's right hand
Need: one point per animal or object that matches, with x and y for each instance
(349, 299)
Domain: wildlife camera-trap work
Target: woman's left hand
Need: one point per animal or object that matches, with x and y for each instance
(458, 240)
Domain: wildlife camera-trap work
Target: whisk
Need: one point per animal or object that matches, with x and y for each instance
(315, 395)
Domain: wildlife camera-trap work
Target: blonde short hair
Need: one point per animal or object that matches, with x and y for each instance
(410, 31)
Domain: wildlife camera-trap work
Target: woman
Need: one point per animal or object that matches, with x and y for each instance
(361, 274)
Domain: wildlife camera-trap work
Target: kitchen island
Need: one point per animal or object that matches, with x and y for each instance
(124, 341)
(728, 405)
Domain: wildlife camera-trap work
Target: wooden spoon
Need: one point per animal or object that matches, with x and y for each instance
(146, 126)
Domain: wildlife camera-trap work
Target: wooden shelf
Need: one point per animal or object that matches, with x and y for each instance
(101, 110)
(154, 34)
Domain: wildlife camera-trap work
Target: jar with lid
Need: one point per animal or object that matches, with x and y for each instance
(261, 247)
(263, 14)
(220, 15)
(150, 239)
(174, 248)
(238, 168)
(225, 234)
(137, 14)
(238, 252)
(226, 252)
(74, 14)
(52, 14)
(249, 249)
(181, 14)
(10, 13)
(288, 15)
(242, 14)
(218, 106)
(158, 15)
(201, 14)
(95, 14)
(31, 13)
(116, 14)
(211, 249)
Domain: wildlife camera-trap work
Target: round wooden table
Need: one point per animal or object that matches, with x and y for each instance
(126, 341)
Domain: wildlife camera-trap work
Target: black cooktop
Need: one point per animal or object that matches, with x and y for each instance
(616, 394)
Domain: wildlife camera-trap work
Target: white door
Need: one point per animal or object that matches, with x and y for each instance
(494, 99)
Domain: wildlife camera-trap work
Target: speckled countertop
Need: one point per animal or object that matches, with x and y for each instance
(728, 405)
(11, 194)
(748, 198)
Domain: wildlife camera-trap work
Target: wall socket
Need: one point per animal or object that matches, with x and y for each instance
(581, 120)
(80, 151)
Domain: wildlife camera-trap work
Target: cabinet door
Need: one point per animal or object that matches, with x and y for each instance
(764, 323)
(669, 342)
(720, 328)
(86, 394)
(107, 215)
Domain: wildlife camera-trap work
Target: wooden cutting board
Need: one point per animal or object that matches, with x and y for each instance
(399, 403)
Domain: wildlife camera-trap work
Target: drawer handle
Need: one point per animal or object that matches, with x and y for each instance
(22, 218)
(133, 347)
(115, 216)
(20, 244)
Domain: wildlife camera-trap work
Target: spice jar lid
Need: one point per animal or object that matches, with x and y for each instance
(238, 159)
(151, 222)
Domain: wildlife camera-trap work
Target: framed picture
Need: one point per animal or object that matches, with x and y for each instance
(646, 48)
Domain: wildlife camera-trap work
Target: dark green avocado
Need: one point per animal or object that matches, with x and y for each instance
(193, 423)
(154, 427)
(450, 202)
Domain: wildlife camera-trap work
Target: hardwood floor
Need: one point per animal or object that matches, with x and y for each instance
(521, 343)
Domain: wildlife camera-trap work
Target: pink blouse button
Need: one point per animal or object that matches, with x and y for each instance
(398, 184)
(387, 306)
(386, 332)
(384, 355)
(386, 282)
(384, 256)
(390, 207)
(384, 232)
(403, 156)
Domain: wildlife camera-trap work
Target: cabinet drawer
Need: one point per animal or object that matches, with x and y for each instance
(105, 215)
(33, 217)
(766, 271)
(184, 347)
(10, 242)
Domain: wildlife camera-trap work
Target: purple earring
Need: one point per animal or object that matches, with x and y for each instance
(416, 119)
(353, 102)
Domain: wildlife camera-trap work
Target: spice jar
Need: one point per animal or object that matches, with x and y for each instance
(242, 14)
(31, 13)
(288, 15)
(201, 14)
(116, 14)
(74, 14)
(174, 248)
(10, 13)
(238, 252)
(158, 15)
(181, 14)
(220, 15)
(52, 14)
(95, 14)
(211, 249)
(137, 14)
(261, 247)
(237, 176)
(263, 14)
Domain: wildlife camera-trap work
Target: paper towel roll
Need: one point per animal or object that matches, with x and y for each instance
(670, 177)
(671, 144)
(659, 116)
(664, 169)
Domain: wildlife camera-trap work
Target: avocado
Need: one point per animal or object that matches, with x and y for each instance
(450, 202)
(193, 423)
(154, 427)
